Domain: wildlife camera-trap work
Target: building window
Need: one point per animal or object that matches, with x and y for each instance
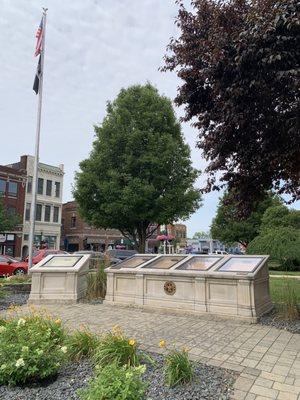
(40, 186)
(73, 222)
(11, 211)
(55, 214)
(49, 188)
(27, 212)
(47, 213)
(12, 189)
(26, 237)
(2, 187)
(38, 213)
(57, 189)
(29, 184)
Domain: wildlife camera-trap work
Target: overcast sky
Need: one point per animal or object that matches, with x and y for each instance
(93, 49)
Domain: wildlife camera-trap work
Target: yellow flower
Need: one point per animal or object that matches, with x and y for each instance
(185, 349)
(131, 342)
(162, 344)
(58, 321)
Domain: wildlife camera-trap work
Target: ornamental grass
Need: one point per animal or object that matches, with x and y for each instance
(114, 347)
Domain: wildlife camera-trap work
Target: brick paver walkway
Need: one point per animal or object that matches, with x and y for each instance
(268, 359)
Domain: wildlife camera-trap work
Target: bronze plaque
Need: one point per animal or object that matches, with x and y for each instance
(169, 288)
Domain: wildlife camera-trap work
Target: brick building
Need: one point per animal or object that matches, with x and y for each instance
(78, 235)
(12, 192)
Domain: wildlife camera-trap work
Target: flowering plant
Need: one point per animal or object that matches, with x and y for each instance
(116, 382)
(116, 347)
(178, 368)
(31, 348)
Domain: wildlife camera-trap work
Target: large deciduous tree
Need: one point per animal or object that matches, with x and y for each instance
(279, 236)
(239, 64)
(228, 227)
(139, 171)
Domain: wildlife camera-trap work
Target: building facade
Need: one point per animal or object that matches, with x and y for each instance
(12, 193)
(49, 203)
(78, 235)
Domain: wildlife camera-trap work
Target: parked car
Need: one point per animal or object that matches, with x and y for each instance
(10, 267)
(121, 254)
(38, 255)
(220, 252)
(97, 256)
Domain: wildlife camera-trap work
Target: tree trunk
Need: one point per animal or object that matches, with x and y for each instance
(142, 241)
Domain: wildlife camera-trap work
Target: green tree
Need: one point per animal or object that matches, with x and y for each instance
(229, 227)
(7, 221)
(238, 62)
(279, 236)
(139, 170)
(202, 234)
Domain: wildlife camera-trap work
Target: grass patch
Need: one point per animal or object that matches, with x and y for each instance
(285, 293)
(292, 273)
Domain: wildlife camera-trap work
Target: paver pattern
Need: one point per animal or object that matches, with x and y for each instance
(268, 359)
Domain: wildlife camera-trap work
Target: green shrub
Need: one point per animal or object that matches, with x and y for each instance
(31, 348)
(96, 283)
(116, 383)
(178, 368)
(115, 347)
(81, 343)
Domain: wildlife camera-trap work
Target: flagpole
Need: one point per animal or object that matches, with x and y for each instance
(37, 147)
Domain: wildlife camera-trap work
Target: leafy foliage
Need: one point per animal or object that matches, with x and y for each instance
(178, 368)
(239, 63)
(139, 170)
(229, 227)
(201, 235)
(81, 343)
(114, 347)
(7, 221)
(31, 349)
(279, 236)
(285, 292)
(116, 383)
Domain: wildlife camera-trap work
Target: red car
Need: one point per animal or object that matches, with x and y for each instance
(9, 266)
(40, 254)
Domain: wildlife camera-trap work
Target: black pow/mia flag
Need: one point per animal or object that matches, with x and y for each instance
(37, 77)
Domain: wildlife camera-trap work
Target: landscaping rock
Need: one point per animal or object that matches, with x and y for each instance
(10, 299)
(273, 319)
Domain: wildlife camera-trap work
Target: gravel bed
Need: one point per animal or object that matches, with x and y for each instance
(210, 383)
(272, 319)
(70, 379)
(9, 299)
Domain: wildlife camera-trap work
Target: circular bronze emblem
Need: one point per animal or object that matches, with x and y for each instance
(169, 287)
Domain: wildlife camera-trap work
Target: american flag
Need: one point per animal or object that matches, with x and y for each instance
(39, 36)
